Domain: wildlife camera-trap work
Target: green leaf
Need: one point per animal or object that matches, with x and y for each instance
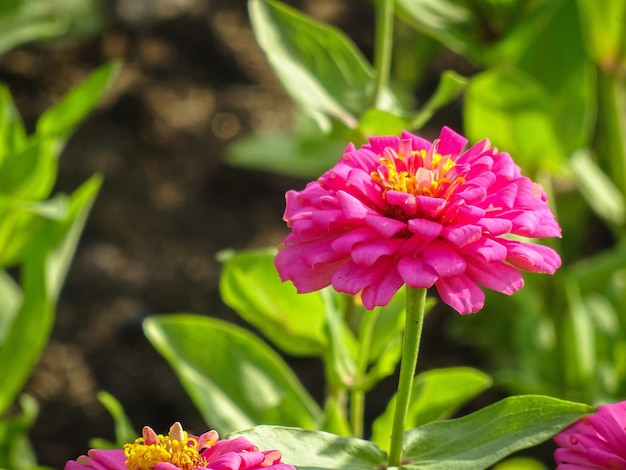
(10, 301)
(603, 23)
(33, 321)
(340, 359)
(317, 450)
(597, 188)
(30, 173)
(124, 431)
(42, 276)
(21, 30)
(436, 394)
(294, 322)
(513, 111)
(12, 132)
(234, 379)
(450, 22)
(319, 66)
(379, 122)
(16, 452)
(451, 85)
(569, 81)
(480, 439)
(60, 120)
(287, 154)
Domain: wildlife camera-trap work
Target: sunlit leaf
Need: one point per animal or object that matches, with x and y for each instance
(316, 450)
(513, 111)
(480, 439)
(294, 322)
(319, 66)
(436, 394)
(234, 379)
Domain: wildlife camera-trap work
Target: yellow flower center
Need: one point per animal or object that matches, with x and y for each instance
(176, 448)
(421, 174)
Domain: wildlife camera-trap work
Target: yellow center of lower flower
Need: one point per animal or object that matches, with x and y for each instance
(420, 174)
(176, 448)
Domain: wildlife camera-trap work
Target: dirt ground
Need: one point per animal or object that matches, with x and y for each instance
(193, 80)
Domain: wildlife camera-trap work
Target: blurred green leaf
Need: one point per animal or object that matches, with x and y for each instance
(451, 85)
(41, 277)
(450, 22)
(16, 451)
(603, 23)
(294, 322)
(24, 21)
(436, 394)
(61, 119)
(378, 122)
(10, 301)
(514, 111)
(341, 354)
(569, 81)
(287, 154)
(30, 173)
(12, 133)
(480, 439)
(316, 450)
(124, 431)
(319, 66)
(597, 188)
(234, 379)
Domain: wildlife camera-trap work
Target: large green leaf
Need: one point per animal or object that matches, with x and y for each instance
(513, 111)
(317, 450)
(436, 394)
(234, 378)
(320, 67)
(294, 322)
(480, 439)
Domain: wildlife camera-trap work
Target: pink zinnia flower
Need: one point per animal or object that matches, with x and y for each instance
(597, 441)
(181, 451)
(407, 211)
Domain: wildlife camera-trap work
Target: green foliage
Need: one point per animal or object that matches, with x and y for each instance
(38, 237)
(234, 378)
(25, 21)
(478, 440)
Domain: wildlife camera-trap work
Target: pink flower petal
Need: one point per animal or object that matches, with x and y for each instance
(460, 293)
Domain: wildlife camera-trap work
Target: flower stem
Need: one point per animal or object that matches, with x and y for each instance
(415, 300)
(382, 48)
(357, 396)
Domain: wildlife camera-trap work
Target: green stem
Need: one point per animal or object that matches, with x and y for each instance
(415, 300)
(612, 125)
(382, 48)
(357, 396)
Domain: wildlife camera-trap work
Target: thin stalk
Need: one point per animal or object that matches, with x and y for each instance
(613, 127)
(357, 396)
(415, 300)
(382, 48)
